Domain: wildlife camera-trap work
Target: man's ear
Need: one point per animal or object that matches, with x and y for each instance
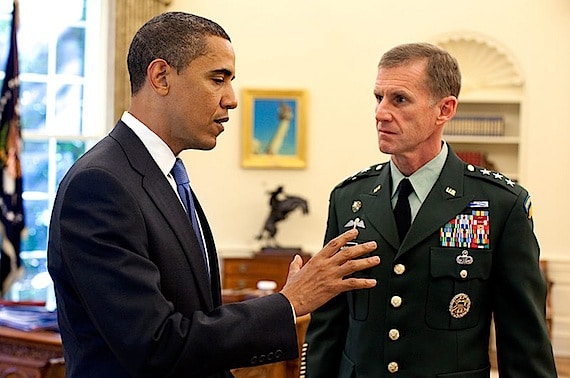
(157, 75)
(447, 108)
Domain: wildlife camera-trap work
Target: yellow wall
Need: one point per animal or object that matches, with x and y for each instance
(331, 49)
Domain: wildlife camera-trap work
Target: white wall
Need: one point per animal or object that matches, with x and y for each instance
(332, 49)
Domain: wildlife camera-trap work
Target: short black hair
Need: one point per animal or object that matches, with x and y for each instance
(176, 37)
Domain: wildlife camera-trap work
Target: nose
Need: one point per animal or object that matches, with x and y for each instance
(229, 99)
(382, 113)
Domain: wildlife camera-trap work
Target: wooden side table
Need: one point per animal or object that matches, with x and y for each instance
(244, 273)
(30, 354)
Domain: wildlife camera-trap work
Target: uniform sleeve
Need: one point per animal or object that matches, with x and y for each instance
(519, 297)
(328, 327)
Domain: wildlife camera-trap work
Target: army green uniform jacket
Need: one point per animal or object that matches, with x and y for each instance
(470, 253)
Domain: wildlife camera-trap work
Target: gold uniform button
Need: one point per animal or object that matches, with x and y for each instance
(394, 334)
(399, 269)
(393, 367)
(463, 274)
(396, 301)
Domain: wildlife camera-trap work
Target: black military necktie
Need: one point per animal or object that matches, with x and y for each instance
(402, 211)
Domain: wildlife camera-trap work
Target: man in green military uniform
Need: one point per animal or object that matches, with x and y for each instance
(470, 253)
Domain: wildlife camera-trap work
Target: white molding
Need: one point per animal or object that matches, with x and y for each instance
(561, 336)
(559, 274)
(487, 67)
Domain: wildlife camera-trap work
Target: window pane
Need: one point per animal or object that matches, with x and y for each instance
(33, 57)
(68, 109)
(67, 153)
(71, 52)
(32, 46)
(33, 106)
(35, 166)
(36, 225)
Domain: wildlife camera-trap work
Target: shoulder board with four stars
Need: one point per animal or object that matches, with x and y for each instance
(491, 176)
(373, 170)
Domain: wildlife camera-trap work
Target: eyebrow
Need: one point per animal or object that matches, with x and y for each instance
(225, 72)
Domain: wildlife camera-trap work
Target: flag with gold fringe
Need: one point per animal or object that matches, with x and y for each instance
(11, 204)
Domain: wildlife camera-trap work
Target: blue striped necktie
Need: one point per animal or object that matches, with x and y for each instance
(183, 186)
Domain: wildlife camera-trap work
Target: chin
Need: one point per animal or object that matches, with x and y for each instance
(384, 148)
(210, 145)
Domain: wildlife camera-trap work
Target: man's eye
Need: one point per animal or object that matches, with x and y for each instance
(218, 80)
(400, 99)
(379, 98)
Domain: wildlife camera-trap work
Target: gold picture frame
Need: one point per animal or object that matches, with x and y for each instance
(274, 128)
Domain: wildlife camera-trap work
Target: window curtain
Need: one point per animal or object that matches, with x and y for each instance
(130, 15)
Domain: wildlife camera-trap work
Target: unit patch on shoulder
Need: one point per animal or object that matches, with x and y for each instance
(528, 206)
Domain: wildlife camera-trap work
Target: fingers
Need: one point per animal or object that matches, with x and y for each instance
(329, 273)
(337, 243)
(350, 264)
(358, 283)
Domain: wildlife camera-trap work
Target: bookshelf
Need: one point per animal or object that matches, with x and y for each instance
(488, 125)
(498, 145)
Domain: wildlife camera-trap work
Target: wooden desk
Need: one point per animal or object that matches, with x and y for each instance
(30, 354)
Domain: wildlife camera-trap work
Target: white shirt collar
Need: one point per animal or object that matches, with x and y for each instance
(424, 178)
(160, 152)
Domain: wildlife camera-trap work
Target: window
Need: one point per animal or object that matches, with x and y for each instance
(62, 48)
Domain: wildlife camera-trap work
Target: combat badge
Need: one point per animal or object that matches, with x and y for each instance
(459, 305)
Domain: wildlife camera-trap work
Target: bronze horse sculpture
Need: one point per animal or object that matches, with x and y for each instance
(280, 209)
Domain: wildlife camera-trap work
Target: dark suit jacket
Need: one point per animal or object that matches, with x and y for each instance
(430, 314)
(133, 293)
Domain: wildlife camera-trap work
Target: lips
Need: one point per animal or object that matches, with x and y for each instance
(222, 120)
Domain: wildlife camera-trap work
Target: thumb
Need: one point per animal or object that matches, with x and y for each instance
(295, 265)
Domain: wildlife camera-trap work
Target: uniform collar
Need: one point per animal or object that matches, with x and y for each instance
(424, 178)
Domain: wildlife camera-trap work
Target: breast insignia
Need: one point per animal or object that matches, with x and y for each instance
(356, 205)
(355, 223)
(459, 305)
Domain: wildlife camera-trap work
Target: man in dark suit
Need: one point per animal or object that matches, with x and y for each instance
(133, 259)
(470, 253)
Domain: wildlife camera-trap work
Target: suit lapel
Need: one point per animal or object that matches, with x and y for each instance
(161, 193)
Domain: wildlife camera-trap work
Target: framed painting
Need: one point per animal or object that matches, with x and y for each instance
(274, 128)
